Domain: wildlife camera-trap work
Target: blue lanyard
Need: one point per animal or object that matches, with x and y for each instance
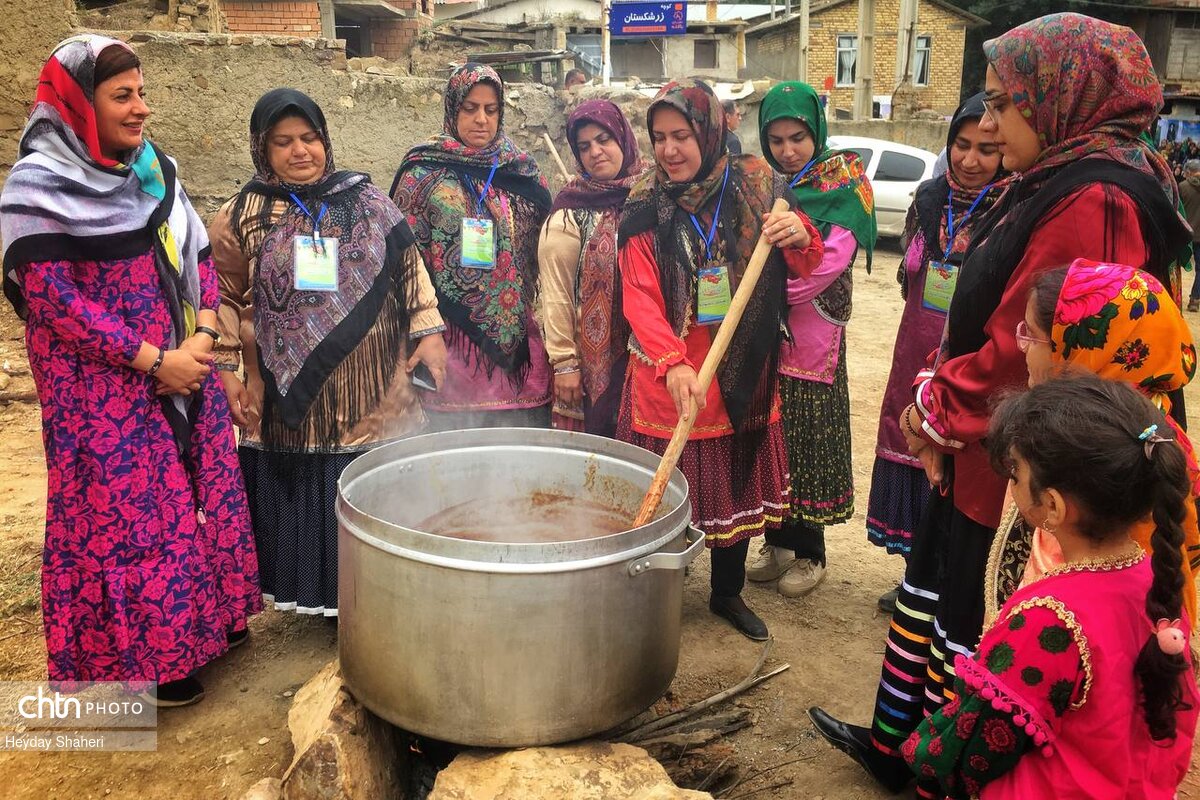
(800, 175)
(316, 221)
(486, 187)
(951, 229)
(712, 229)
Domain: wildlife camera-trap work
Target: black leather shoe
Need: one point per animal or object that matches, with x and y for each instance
(855, 741)
(737, 612)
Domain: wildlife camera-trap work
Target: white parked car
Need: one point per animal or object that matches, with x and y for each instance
(895, 171)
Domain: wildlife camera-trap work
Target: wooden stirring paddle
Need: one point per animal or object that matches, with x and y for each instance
(716, 352)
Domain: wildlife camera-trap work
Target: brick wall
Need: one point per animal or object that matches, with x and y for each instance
(394, 38)
(775, 52)
(948, 42)
(273, 17)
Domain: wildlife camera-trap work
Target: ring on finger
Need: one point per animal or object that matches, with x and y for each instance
(792, 230)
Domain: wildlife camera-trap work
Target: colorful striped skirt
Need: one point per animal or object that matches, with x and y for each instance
(731, 500)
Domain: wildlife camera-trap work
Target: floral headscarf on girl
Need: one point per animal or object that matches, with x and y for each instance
(747, 376)
(835, 189)
(1121, 324)
(489, 309)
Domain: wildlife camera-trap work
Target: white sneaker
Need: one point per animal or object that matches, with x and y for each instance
(802, 578)
(770, 563)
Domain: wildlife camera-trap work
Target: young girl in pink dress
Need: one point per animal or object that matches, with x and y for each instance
(1082, 687)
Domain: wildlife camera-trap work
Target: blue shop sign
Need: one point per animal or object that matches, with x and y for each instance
(648, 19)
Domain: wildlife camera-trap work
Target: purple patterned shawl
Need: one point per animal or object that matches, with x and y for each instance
(305, 336)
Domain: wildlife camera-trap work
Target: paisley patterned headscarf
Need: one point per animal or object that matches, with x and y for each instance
(436, 187)
(1087, 88)
(516, 170)
(657, 204)
(585, 191)
(602, 332)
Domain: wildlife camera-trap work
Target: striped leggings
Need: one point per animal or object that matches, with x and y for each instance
(939, 615)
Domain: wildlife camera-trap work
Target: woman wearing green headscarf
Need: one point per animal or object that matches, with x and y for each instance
(831, 187)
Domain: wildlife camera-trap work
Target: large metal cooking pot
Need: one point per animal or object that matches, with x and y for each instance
(490, 644)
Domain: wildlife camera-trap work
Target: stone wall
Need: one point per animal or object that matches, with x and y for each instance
(28, 31)
(273, 17)
(775, 51)
(1183, 62)
(202, 90)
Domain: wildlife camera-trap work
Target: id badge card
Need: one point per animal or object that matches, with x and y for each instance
(712, 294)
(316, 261)
(940, 280)
(478, 243)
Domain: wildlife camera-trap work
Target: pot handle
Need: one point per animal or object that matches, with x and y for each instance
(695, 540)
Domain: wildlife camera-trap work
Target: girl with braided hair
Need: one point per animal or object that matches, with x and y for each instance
(1088, 460)
(1121, 324)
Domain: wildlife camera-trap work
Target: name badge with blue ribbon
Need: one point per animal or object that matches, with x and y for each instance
(478, 242)
(315, 258)
(941, 278)
(713, 287)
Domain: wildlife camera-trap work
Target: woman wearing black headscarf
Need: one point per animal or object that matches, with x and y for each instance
(326, 302)
(938, 230)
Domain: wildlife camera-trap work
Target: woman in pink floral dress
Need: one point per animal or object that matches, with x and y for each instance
(149, 570)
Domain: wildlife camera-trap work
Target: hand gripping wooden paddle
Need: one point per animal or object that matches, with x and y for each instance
(716, 352)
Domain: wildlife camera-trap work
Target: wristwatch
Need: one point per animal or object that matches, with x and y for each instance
(216, 337)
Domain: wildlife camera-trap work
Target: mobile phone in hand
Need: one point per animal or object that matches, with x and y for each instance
(422, 378)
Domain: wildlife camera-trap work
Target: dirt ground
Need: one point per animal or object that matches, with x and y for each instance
(832, 639)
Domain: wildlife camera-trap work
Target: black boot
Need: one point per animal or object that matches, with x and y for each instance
(737, 612)
(855, 741)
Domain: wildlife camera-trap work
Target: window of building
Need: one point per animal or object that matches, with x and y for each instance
(705, 54)
(847, 59)
(899, 167)
(920, 70)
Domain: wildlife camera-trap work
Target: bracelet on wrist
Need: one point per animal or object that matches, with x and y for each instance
(158, 362)
(565, 370)
(225, 367)
(207, 331)
(908, 423)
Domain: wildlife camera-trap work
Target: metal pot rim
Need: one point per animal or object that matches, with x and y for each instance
(511, 557)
